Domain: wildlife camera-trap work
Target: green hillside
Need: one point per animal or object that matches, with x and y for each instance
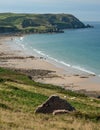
(37, 23)
(20, 96)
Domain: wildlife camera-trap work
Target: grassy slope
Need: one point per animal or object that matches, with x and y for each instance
(19, 97)
(37, 22)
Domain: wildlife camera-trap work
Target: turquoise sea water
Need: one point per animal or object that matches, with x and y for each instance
(78, 48)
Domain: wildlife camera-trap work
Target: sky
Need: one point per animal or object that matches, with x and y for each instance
(85, 10)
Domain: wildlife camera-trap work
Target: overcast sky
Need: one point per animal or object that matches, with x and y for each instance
(85, 10)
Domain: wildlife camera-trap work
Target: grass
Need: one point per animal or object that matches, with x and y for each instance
(20, 96)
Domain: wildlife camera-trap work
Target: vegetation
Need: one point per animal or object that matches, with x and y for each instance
(37, 23)
(20, 96)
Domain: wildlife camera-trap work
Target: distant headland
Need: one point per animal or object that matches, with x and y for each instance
(38, 23)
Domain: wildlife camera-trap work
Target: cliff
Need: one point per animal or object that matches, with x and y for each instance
(37, 23)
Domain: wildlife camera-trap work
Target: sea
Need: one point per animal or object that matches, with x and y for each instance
(75, 48)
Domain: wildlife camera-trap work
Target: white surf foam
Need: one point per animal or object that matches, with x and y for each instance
(68, 65)
(21, 38)
(83, 69)
(63, 63)
(39, 52)
(19, 44)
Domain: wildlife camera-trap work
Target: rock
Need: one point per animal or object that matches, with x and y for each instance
(76, 75)
(89, 26)
(53, 104)
(84, 77)
(98, 97)
(30, 77)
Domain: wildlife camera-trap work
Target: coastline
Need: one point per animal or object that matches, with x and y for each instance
(41, 70)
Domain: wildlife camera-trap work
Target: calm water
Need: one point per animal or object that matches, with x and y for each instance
(78, 48)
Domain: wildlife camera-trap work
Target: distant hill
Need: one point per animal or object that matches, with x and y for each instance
(37, 23)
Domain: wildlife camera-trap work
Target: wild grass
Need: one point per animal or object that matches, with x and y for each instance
(20, 96)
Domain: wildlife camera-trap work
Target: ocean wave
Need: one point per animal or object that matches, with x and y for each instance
(39, 52)
(45, 55)
(63, 63)
(53, 59)
(19, 44)
(68, 65)
(21, 38)
(83, 69)
(18, 39)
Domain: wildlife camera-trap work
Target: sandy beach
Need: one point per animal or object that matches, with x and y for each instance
(40, 70)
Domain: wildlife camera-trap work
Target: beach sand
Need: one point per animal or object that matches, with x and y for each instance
(43, 71)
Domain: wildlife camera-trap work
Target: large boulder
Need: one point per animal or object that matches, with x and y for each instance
(54, 103)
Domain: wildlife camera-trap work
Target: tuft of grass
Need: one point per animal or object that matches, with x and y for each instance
(2, 80)
(4, 106)
(87, 116)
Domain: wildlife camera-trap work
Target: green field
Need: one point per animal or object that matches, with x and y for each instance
(20, 96)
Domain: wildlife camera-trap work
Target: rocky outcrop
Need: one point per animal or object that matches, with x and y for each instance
(55, 105)
(8, 29)
(29, 23)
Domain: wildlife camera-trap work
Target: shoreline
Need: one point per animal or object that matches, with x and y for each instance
(41, 70)
(59, 63)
